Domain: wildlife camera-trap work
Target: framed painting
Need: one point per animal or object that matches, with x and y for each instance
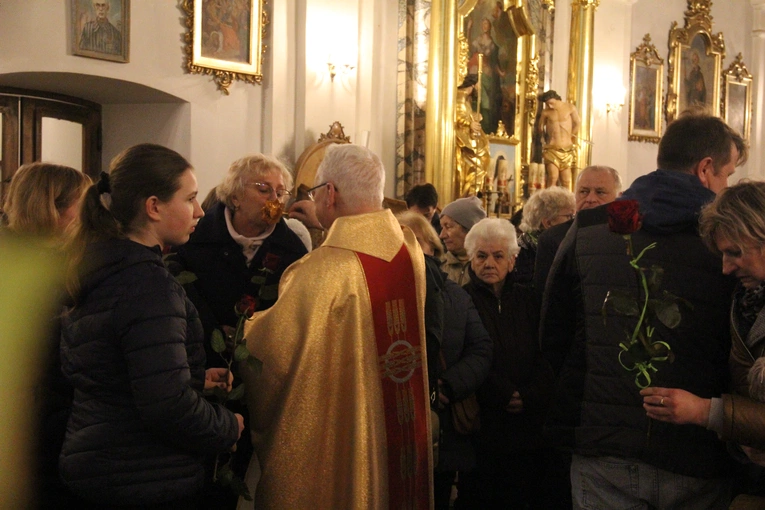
(737, 97)
(101, 29)
(492, 56)
(646, 80)
(225, 40)
(502, 177)
(695, 61)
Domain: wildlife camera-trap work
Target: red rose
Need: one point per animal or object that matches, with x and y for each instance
(624, 216)
(246, 306)
(271, 262)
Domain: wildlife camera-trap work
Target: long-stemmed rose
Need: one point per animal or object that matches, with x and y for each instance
(640, 351)
(234, 350)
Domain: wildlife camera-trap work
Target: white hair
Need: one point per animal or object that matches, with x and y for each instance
(492, 229)
(357, 174)
(545, 205)
(252, 167)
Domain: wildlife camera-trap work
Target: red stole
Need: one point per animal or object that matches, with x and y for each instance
(393, 296)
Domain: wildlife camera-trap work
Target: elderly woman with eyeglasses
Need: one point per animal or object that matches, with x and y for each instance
(546, 208)
(240, 247)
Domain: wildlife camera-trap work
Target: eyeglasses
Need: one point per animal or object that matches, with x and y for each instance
(310, 191)
(567, 216)
(266, 190)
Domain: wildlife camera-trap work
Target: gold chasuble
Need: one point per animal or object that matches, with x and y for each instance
(340, 415)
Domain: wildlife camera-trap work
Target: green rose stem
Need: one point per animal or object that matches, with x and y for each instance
(645, 341)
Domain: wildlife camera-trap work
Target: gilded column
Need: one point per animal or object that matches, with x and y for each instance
(580, 64)
(757, 136)
(442, 90)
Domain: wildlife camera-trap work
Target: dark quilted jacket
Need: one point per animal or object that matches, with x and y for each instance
(598, 409)
(132, 349)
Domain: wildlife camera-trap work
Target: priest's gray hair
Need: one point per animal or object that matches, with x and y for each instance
(249, 169)
(490, 230)
(357, 173)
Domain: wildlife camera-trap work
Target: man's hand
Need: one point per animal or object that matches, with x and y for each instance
(218, 377)
(305, 211)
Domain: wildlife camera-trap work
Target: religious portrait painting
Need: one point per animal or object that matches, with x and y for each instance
(646, 79)
(101, 29)
(502, 176)
(737, 97)
(697, 75)
(695, 66)
(492, 57)
(225, 39)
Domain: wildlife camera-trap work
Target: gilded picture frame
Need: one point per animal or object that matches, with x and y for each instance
(101, 29)
(225, 40)
(737, 97)
(489, 30)
(695, 63)
(646, 93)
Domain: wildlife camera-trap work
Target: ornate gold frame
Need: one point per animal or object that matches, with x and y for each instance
(224, 72)
(738, 74)
(446, 67)
(698, 22)
(646, 56)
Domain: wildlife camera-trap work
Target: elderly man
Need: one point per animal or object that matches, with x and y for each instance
(595, 185)
(100, 35)
(340, 412)
(621, 459)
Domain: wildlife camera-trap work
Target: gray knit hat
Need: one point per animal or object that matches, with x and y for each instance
(465, 211)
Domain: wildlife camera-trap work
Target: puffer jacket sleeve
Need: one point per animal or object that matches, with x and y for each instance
(156, 340)
(467, 374)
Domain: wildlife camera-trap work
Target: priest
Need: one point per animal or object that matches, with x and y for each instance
(340, 415)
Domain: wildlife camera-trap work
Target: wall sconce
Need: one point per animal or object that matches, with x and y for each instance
(344, 69)
(608, 91)
(611, 107)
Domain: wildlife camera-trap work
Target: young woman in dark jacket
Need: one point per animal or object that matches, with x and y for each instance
(512, 455)
(132, 344)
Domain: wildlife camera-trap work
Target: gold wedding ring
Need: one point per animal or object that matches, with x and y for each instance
(661, 402)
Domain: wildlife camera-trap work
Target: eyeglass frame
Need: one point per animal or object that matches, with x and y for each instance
(281, 194)
(309, 192)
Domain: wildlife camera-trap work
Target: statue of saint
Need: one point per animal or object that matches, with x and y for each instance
(472, 153)
(558, 125)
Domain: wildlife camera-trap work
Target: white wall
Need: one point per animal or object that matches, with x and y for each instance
(216, 129)
(732, 17)
(294, 105)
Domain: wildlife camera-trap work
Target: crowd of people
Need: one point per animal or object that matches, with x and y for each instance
(437, 358)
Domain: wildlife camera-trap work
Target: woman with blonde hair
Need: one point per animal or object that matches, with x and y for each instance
(457, 365)
(43, 201)
(44, 198)
(241, 247)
